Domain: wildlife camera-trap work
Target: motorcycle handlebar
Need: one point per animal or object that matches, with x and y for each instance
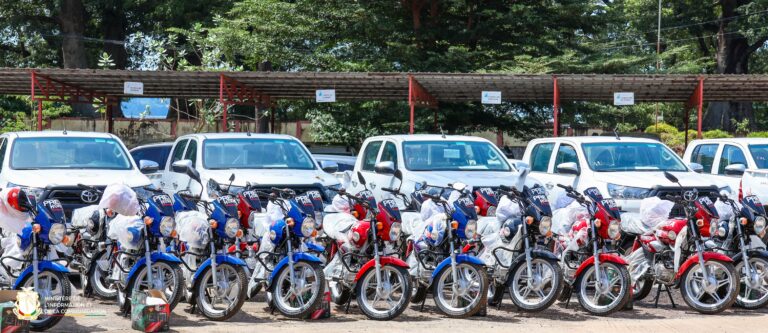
(389, 189)
(87, 187)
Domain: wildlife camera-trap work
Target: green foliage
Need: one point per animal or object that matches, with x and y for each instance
(716, 134)
(761, 134)
(661, 128)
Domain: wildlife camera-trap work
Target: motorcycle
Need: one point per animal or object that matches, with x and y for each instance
(675, 255)
(39, 271)
(295, 281)
(92, 249)
(600, 278)
(458, 281)
(486, 201)
(215, 282)
(374, 276)
(739, 238)
(529, 271)
(142, 260)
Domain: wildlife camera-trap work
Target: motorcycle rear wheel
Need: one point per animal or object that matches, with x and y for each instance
(340, 295)
(641, 288)
(98, 279)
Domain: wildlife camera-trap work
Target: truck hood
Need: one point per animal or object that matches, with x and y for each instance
(650, 179)
(474, 178)
(54, 177)
(270, 177)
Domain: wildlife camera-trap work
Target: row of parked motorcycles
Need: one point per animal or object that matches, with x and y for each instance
(466, 249)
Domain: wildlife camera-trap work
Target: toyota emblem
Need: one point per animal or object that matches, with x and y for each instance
(89, 196)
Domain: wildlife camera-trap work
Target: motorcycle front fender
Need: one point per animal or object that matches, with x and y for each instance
(220, 259)
(155, 257)
(371, 264)
(41, 266)
(694, 259)
(604, 257)
(297, 256)
(460, 258)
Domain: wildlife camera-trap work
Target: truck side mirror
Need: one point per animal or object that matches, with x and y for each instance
(696, 167)
(147, 166)
(736, 169)
(185, 167)
(385, 167)
(329, 166)
(568, 168)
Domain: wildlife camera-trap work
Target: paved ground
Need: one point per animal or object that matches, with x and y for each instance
(558, 319)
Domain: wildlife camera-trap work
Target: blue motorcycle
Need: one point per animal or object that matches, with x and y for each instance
(48, 278)
(216, 281)
(459, 281)
(143, 261)
(296, 282)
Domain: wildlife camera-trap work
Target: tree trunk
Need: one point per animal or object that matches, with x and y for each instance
(733, 51)
(72, 24)
(113, 28)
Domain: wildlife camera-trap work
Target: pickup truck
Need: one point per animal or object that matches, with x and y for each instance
(623, 168)
(742, 163)
(51, 165)
(435, 159)
(261, 160)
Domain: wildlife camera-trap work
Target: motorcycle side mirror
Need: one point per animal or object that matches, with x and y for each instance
(231, 177)
(360, 178)
(185, 167)
(670, 177)
(736, 169)
(398, 174)
(147, 166)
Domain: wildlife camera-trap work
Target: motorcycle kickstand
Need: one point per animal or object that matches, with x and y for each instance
(422, 304)
(346, 308)
(658, 295)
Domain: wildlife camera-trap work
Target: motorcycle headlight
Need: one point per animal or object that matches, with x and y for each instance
(308, 227)
(272, 235)
(470, 230)
(614, 231)
(355, 236)
(626, 192)
(506, 231)
(167, 225)
(394, 231)
(672, 235)
(32, 192)
(545, 225)
(57, 233)
(231, 227)
(759, 225)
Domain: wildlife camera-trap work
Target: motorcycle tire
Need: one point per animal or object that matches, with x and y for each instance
(624, 293)
(401, 304)
(66, 292)
(178, 285)
(638, 294)
(313, 303)
(96, 278)
(419, 294)
(556, 289)
(495, 293)
(742, 302)
(472, 309)
(733, 293)
(212, 314)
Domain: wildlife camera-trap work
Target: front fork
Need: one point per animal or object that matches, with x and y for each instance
(528, 259)
(213, 259)
(377, 265)
(35, 270)
(148, 259)
(745, 258)
(596, 254)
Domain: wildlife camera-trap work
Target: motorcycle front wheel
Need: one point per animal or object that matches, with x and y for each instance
(166, 274)
(223, 300)
(385, 300)
(54, 290)
(614, 293)
(710, 298)
(753, 292)
(535, 290)
(465, 296)
(98, 278)
(300, 297)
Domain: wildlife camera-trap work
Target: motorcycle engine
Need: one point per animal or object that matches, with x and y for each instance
(663, 274)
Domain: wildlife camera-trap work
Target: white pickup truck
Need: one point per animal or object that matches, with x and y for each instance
(263, 160)
(740, 162)
(51, 164)
(435, 159)
(625, 169)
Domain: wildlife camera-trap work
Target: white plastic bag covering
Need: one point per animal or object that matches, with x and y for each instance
(561, 198)
(336, 225)
(192, 227)
(259, 223)
(563, 218)
(412, 223)
(507, 209)
(81, 216)
(429, 208)
(488, 225)
(724, 210)
(633, 224)
(654, 211)
(121, 199)
(490, 243)
(126, 229)
(11, 248)
(274, 212)
(11, 219)
(341, 204)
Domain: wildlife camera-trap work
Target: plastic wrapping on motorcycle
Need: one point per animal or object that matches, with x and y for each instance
(127, 230)
(413, 225)
(336, 226)
(507, 209)
(192, 228)
(564, 218)
(81, 216)
(11, 220)
(121, 199)
(10, 246)
(654, 211)
(274, 212)
(341, 204)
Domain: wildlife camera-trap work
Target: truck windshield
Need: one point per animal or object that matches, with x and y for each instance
(255, 154)
(631, 156)
(453, 156)
(68, 153)
(760, 155)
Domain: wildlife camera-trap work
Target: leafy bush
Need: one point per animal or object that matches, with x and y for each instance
(662, 128)
(763, 134)
(716, 134)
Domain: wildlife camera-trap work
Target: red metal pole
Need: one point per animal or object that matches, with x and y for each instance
(556, 106)
(410, 102)
(700, 104)
(39, 115)
(223, 104)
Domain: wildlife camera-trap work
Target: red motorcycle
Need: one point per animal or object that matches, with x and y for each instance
(486, 201)
(674, 254)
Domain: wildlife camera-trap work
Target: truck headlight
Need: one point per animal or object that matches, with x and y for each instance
(307, 227)
(626, 192)
(470, 230)
(614, 231)
(394, 231)
(545, 225)
(231, 227)
(759, 225)
(167, 225)
(57, 233)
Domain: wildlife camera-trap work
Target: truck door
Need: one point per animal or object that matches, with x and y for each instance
(172, 181)
(367, 163)
(388, 154)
